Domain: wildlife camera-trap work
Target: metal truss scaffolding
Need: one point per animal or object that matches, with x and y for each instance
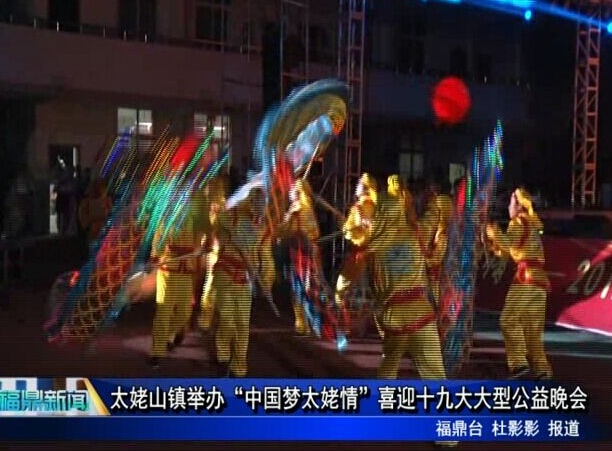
(294, 51)
(586, 110)
(351, 42)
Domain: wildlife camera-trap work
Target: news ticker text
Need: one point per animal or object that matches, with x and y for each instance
(458, 429)
(347, 399)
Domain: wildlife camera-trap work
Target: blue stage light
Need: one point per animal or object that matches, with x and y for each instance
(528, 14)
(609, 27)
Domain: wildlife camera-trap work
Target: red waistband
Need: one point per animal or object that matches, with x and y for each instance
(181, 269)
(176, 249)
(233, 267)
(537, 264)
(544, 285)
(434, 271)
(523, 278)
(412, 327)
(407, 296)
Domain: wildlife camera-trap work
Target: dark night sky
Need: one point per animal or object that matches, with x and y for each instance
(550, 56)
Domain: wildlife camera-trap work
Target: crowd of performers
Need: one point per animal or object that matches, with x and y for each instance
(400, 253)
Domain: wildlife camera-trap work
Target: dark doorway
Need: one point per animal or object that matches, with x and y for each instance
(63, 157)
(63, 161)
(65, 14)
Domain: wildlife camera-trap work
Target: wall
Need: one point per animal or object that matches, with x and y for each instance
(46, 59)
(404, 96)
(92, 127)
(448, 26)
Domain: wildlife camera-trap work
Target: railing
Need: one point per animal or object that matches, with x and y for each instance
(437, 73)
(146, 38)
(105, 32)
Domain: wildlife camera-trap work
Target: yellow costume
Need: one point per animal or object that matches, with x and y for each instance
(214, 199)
(439, 245)
(300, 223)
(522, 319)
(400, 282)
(174, 288)
(240, 233)
(397, 189)
(357, 229)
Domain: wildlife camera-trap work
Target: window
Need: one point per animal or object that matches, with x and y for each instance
(410, 43)
(202, 124)
(135, 121)
(484, 68)
(383, 46)
(64, 14)
(137, 18)
(455, 172)
(411, 165)
(212, 20)
(319, 44)
(458, 62)
(248, 36)
(410, 55)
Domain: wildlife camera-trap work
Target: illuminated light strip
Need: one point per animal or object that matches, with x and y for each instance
(518, 7)
(585, 329)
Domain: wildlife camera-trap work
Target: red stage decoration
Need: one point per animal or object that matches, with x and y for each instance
(580, 272)
(451, 100)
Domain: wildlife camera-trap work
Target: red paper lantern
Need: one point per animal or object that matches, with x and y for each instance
(451, 100)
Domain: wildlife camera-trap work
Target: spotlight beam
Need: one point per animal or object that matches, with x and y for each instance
(522, 8)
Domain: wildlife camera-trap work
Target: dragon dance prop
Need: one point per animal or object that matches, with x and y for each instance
(461, 260)
(297, 130)
(291, 136)
(152, 192)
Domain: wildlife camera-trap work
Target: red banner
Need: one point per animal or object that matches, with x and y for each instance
(580, 272)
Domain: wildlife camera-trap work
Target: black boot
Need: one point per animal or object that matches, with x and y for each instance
(208, 343)
(223, 369)
(178, 340)
(445, 445)
(153, 362)
(521, 373)
(544, 377)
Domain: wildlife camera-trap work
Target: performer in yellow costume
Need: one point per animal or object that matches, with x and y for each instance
(215, 196)
(174, 289)
(398, 192)
(240, 233)
(437, 249)
(396, 188)
(400, 284)
(522, 319)
(300, 223)
(357, 229)
(213, 202)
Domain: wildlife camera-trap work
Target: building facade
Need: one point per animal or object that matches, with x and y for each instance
(74, 73)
